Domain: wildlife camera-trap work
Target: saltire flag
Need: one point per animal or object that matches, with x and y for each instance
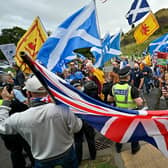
(138, 10)
(119, 125)
(162, 58)
(146, 28)
(78, 31)
(160, 44)
(9, 51)
(110, 48)
(100, 52)
(31, 42)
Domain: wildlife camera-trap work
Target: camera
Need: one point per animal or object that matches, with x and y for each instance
(9, 87)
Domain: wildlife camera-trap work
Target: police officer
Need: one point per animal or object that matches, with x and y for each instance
(125, 96)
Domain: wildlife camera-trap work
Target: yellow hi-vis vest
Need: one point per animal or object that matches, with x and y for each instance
(1, 101)
(122, 96)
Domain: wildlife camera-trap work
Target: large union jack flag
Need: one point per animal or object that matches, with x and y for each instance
(119, 125)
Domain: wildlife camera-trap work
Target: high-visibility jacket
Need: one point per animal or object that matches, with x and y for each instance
(122, 96)
(1, 101)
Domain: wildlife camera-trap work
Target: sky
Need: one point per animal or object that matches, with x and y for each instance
(111, 14)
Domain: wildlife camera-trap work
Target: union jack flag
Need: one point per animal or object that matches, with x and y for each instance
(119, 125)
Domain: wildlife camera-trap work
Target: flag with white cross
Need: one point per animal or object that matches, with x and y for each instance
(138, 10)
(159, 44)
(80, 30)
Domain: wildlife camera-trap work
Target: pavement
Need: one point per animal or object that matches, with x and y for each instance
(4, 156)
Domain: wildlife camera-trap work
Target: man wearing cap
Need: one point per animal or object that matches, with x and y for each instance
(127, 97)
(48, 128)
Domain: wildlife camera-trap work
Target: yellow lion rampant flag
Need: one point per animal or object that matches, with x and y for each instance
(146, 28)
(30, 43)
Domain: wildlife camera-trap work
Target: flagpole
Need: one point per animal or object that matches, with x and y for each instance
(97, 20)
(26, 58)
(98, 25)
(38, 18)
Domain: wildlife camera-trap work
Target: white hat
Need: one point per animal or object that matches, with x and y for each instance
(34, 85)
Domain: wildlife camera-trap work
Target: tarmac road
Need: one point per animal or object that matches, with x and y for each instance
(4, 156)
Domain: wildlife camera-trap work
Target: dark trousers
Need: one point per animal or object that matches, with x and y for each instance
(134, 147)
(147, 86)
(89, 133)
(67, 160)
(16, 144)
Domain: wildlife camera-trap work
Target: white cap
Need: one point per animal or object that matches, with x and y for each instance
(34, 85)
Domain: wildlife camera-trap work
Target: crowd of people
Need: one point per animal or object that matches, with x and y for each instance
(47, 134)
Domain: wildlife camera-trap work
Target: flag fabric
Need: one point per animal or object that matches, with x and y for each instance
(9, 51)
(119, 125)
(30, 42)
(110, 48)
(113, 48)
(162, 59)
(80, 30)
(146, 28)
(160, 44)
(148, 60)
(138, 10)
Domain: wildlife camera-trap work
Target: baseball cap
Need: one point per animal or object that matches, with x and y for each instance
(34, 85)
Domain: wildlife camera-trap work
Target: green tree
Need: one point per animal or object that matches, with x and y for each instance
(10, 36)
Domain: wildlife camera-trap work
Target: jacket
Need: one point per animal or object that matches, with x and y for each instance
(48, 128)
(122, 96)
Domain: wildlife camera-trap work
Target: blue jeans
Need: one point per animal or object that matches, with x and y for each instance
(68, 160)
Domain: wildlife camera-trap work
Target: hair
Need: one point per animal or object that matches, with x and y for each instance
(91, 89)
(4, 77)
(114, 77)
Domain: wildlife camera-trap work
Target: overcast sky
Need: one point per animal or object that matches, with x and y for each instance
(111, 14)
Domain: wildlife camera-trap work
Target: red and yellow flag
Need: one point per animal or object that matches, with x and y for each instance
(146, 28)
(30, 43)
(148, 60)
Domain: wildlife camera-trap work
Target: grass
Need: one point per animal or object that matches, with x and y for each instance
(100, 162)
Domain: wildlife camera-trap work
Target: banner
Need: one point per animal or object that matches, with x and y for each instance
(162, 59)
(9, 51)
(146, 29)
(30, 43)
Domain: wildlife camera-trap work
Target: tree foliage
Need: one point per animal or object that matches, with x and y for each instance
(128, 44)
(12, 35)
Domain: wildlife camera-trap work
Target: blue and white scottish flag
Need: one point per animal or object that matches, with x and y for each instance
(110, 48)
(139, 9)
(160, 44)
(78, 31)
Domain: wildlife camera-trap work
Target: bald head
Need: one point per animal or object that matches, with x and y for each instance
(136, 65)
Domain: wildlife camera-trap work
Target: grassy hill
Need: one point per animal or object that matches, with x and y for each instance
(128, 44)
